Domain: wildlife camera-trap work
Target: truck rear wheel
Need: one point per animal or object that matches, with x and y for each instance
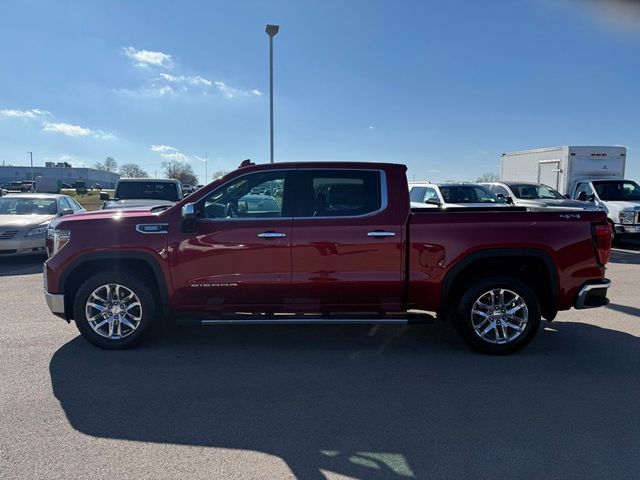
(498, 315)
(114, 310)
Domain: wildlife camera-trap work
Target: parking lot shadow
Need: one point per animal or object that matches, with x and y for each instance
(27, 265)
(389, 402)
(628, 256)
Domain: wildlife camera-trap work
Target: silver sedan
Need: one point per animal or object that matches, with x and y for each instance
(24, 219)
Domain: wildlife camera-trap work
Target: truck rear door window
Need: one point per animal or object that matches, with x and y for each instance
(337, 193)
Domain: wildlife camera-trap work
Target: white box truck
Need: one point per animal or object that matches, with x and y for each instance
(587, 173)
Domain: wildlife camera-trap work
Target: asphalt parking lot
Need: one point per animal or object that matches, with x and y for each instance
(319, 402)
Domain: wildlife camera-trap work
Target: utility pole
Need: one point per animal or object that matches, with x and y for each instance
(206, 168)
(31, 155)
(271, 31)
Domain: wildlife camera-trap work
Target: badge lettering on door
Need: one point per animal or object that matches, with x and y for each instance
(213, 285)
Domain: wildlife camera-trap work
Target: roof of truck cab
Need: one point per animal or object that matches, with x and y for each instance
(323, 165)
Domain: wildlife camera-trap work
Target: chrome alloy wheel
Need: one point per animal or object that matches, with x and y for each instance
(499, 316)
(113, 311)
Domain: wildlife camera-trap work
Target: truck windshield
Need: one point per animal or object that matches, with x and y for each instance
(534, 192)
(617, 190)
(147, 190)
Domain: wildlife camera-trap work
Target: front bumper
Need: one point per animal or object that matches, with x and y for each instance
(593, 294)
(55, 301)
(23, 246)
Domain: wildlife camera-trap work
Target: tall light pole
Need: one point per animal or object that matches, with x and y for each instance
(31, 155)
(271, 31)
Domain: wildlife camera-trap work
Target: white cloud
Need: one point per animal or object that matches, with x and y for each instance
(169, 153)
(179, 156)
(189, 79)
(371, 127)
(162, 148)
(165, 84)
(67, 129)
(145, 58)
(231, 92)
(32, 113)
(70, 130)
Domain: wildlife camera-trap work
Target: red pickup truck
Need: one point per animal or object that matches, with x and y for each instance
(323, 243)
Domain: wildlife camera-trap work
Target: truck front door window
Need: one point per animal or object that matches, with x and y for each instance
(258, 195)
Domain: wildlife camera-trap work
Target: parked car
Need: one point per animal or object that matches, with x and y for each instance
(527, 194)
(14, 187)
(187, 189)
(28, 186)
(451, 194)
(143, 192)
(343, 246)
(24, 219)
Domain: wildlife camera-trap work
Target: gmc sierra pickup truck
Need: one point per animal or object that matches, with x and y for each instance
(343, 245)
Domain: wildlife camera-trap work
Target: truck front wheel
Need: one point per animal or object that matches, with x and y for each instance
(114, 310)
(498, 315)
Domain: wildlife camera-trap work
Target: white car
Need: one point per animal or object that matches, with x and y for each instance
(426, 194)
(24, 219)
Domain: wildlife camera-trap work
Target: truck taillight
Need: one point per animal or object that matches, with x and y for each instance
(602, 239)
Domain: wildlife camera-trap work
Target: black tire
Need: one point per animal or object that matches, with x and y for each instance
(148, 311)
(463, 319)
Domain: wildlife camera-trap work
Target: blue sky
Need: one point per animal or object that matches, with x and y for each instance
(444, 87)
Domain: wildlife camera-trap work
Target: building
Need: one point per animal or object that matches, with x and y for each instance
(52, 177)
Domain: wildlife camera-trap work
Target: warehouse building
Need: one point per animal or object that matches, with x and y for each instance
(55, 176)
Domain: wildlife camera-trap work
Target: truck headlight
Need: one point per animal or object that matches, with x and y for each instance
(626, 217)
(56, 239)
(37, 231)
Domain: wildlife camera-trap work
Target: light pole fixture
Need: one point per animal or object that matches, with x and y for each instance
(271, 30)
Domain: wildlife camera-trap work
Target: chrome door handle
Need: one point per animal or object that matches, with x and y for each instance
(271, 235)
(380, 233)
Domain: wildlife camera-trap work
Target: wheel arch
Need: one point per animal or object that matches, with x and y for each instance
(533, 266)
(140, 263)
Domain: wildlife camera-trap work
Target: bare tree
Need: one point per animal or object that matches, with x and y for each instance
(132, 170)
(109, 165)
(219, 173)
(488, 177)
(181, 171)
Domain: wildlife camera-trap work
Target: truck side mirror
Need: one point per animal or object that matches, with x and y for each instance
(582, 196)
(592, 197)
(509, 200)
(104, 196)
(66, 211)
(188, 215)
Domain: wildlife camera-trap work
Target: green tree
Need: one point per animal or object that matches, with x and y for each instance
(132, 170)
(179, 170)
